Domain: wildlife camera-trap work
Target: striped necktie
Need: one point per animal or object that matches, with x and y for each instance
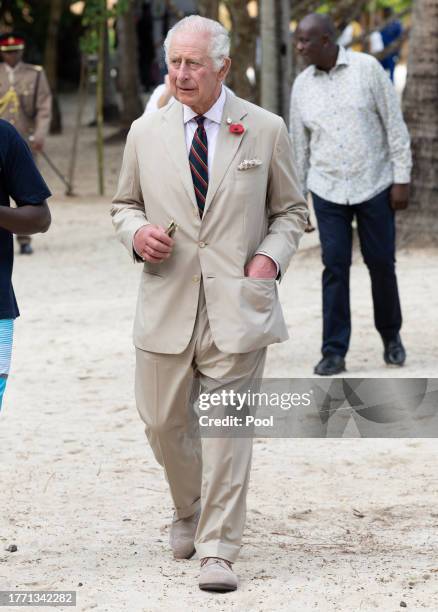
(198, 159)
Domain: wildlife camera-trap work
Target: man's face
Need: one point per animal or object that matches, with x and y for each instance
(192, 75)
(310, 43)
(11, 57)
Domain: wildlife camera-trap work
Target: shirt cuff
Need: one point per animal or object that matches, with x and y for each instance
(402, 175)
(272, 259)
(137, 257)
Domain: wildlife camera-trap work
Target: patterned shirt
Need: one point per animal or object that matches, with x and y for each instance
(348, 131)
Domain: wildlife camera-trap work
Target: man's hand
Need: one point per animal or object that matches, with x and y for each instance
(168, 92)
(261, 266)
(152, 244)
(399, 196)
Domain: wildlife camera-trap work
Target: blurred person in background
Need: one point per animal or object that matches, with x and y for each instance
(391, 32)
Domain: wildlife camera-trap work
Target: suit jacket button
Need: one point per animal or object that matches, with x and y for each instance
(196, 279)
(201, 244)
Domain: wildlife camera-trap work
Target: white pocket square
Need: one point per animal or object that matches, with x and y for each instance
(249, 163)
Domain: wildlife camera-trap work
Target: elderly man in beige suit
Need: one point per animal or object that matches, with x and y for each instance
(222, 170)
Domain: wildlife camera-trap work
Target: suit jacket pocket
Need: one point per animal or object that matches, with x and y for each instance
(259, 293)
(244, 313)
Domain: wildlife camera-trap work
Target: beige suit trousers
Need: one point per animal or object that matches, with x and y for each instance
(211, 473)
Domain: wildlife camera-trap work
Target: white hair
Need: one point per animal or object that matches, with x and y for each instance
(219, 47)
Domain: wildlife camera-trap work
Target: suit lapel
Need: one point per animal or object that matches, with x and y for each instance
(175, 141)
(227, 145)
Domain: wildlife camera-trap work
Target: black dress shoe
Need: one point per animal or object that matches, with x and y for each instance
(26, 249)
(394, 353)
(329, 365)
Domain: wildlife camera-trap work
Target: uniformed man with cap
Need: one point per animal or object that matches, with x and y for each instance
(25, 100)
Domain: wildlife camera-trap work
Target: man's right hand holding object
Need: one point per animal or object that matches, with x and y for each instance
(152, 244)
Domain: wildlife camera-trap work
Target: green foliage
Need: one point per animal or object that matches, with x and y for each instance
(397, 5)
(371, 5)
(95, 13)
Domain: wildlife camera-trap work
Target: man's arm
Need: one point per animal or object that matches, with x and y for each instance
(300, 141)
(27, 219)
(388, 107)
(287, 209)
(128, 211)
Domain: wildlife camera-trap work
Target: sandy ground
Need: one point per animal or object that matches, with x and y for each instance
(332, 524)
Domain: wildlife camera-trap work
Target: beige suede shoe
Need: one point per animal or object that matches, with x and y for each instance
(217, 575)
(182, 536)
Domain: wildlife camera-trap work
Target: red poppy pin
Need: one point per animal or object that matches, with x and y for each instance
(237, 128)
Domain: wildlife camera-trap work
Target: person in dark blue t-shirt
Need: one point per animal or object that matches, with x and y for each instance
(21, 181)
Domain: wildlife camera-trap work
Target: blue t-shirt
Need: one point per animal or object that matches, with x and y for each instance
(20, 180)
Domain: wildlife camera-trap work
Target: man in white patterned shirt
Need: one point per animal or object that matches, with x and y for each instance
(353, 152)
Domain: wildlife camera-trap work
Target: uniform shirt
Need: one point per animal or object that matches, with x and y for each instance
(11, 72)
(20, 180)
(347, 130)
(29, 108)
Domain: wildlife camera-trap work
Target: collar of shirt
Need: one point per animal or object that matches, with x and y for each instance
(11, 72)
(9, 69)
(341, 60)
(214, 114)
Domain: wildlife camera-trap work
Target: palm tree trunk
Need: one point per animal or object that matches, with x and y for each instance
(129, 79)
(243, 41)
(209, 8)
(100, 98)
(269, 70)
(51, 62)
(284, 61)
(110, 107)
(421, 114)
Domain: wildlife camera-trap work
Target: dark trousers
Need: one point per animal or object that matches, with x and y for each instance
(376, 229)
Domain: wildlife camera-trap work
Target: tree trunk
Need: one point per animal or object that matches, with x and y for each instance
(51, 62)
(129, 81)
(421, 114)
(110, 107)
(284, 61)
(81, 99)
(269, 70)
(243, 44)
(209, 8)
(99, 99)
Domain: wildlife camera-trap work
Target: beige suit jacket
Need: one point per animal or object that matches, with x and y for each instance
(257, 209)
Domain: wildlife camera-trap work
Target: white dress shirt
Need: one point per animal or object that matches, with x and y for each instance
(213, 118)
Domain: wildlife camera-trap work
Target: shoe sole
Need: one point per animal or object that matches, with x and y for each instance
(217, 588)
(330, 373)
